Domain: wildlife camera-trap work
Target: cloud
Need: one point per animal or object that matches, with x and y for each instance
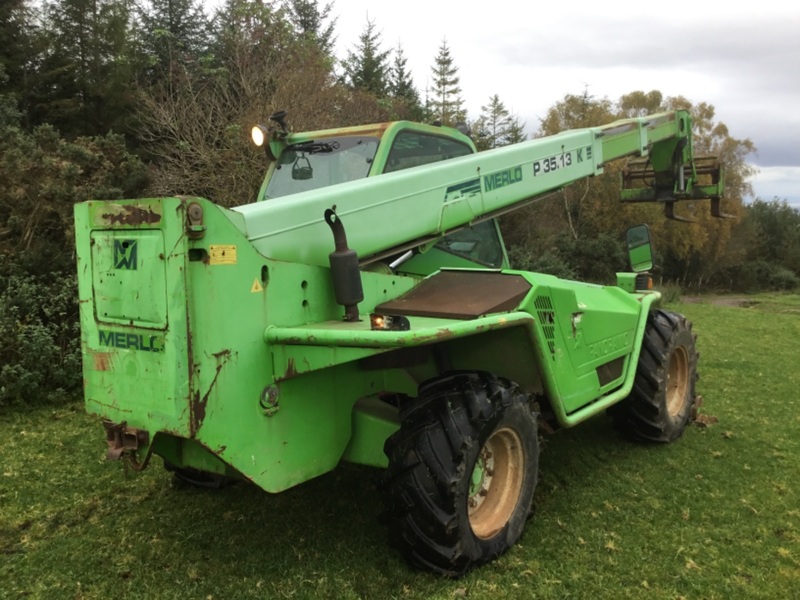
(763, 49)
(745, 66)
(780, 151)
(778, 182)
(744, 59)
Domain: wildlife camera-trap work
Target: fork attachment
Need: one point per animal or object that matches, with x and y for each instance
(677, 180)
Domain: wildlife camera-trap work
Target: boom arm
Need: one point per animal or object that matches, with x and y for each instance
(408, 208)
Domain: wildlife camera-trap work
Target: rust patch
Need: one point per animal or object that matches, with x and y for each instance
(198, 411)
(102, 361)
(226, 354)
(130, 214)
(291, 370)
(199, 404)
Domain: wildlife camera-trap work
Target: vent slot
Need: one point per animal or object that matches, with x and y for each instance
(547, 320)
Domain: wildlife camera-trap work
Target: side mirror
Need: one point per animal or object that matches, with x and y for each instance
(640, 250)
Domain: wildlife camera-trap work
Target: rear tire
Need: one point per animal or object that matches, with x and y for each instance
(462, 472)
(660, 404)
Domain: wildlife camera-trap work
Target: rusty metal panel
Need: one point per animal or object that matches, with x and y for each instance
(129, 277)
(134, 214)
(460, 295)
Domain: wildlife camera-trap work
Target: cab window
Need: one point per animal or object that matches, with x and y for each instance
(481, 243)
(319, 163)
(412, 149)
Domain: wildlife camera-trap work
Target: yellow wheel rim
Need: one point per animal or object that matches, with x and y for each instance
(496, 483)
(677, 381)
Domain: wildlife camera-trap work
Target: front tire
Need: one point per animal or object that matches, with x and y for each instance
(660, 404)
(462, 472)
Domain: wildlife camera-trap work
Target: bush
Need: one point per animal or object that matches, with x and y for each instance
(596, 259)
(549, 262)
(43, 175)
(760, 275)
(670, 292)
(781, 278)
(40, 359)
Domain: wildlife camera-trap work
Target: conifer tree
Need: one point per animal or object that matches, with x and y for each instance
(401, 85)
(81, 83)
(248, 34)
(367, 65)
(492, 126)
(174, 33)
(19, 50)
(313, 23)
(516, 130)
(444, 99)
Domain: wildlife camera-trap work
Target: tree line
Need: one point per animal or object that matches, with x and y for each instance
(130, 98)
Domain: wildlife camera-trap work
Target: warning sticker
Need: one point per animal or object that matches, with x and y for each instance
(222, 254)
(257, 287)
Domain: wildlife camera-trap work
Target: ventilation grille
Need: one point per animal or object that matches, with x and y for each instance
(547, 320)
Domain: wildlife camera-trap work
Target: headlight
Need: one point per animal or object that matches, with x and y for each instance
(259, 135)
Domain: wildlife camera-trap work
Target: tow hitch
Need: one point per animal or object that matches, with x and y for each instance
(122, 439)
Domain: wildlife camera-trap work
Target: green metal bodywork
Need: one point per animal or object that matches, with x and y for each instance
(217, 332)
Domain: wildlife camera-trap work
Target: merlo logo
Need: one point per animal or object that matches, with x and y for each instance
(125, 254)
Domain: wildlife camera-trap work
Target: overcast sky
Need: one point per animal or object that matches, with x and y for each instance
(743, 58)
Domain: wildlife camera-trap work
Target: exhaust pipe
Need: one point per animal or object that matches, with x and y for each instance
(344, 269)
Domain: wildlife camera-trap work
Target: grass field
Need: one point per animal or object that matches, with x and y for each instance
(715, 515)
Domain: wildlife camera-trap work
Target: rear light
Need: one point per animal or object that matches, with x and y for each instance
(388, 323)
(644, 282)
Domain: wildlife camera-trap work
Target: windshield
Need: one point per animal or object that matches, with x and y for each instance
(319, 163)
(479, 243)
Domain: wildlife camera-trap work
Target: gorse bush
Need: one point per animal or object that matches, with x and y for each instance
(40, 358)
(43, 175)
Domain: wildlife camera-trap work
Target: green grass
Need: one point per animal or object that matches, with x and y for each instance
(715, 515)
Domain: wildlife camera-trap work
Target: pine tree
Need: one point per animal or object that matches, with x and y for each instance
(401, 85)
(497, 126)
(248, 32)
(492, 125)
(516, 131)
(367, 65)
(19, 49)
(313, 23)
(174, 33)
(445, 102)
(81, 80)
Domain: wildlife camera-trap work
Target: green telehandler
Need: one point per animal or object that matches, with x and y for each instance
(363, 310)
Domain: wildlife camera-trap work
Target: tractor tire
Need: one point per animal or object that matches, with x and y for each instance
(660, 404)
(462, 472)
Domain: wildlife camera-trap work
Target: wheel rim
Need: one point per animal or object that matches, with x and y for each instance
(677, 381)
(495, 483)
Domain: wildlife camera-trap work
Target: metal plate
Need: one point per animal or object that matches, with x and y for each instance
(460, 295)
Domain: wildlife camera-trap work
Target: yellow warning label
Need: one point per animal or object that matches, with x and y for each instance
(222, 254)
(257, 287)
